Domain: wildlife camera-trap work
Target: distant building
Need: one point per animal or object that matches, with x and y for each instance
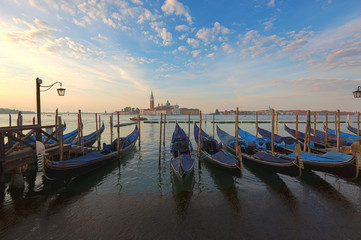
(167, 109)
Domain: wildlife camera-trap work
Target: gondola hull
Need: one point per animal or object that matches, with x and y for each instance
(290, 169)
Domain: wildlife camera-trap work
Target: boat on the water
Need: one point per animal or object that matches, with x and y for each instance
(67, 169)
(89, 139)
(336, 163)
(140, 118)
(182, 163)
(212, 152)
(256, 156)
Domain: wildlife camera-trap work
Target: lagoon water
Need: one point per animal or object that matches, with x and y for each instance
(136, 198)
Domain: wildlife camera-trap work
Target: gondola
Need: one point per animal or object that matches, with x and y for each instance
(346, 139)
(318, 141)
(260, 158)
(67, 169)
(352, 129)
(336, 163)
(89, 139)
(212, 152)
(182, 163)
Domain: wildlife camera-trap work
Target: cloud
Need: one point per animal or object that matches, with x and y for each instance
(293, 45)
(227, 48)
(268, 24)
(138, 2)
(195, 53)
(271, 3)
(193, 42)
(182, 28)
(162, 33)
(182, 49)
(211, 55)
(209, 34)
(173, 6)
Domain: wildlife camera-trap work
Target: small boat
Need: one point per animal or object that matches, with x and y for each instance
(181, 147)
(252, 154)
(336, 163)
(67, 169)
(346, 139)
(125, 124)
(89, 139)
(140, 118)
(212, 151)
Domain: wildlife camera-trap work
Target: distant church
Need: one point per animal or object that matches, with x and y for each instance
(166, 109)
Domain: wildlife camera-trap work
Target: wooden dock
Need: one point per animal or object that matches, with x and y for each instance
(18, 148)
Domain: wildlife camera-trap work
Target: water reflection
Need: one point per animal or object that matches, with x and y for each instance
(182, 192)
(273, 182)
(325, 189)
(225, 183)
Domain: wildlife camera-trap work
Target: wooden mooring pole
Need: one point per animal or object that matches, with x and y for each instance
(61, 149)
(199, 134)
(96, 130)
(276, 122)
(296, 126)
(213, 126)
(335, 122)
(111, 127)
(100, 134)
(314, 123)
(338, 130)
(358, 123)
(139, 129)
(160, 136)
(326, 131)
(118, 133)
(273, 131)
(256, 124)
(236, 133)
(189, 124)
(306, 131)
(164, 129)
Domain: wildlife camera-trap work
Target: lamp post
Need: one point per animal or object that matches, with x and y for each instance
(61, 92)
(357, 93)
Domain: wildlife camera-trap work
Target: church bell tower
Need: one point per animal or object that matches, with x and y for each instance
(151, 101)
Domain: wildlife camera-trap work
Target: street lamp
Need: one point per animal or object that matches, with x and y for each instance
(357, 93)
(61, 92)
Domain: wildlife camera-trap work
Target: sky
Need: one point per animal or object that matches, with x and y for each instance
(251, 54)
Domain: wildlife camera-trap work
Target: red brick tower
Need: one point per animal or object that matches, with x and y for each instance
(151, 101)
